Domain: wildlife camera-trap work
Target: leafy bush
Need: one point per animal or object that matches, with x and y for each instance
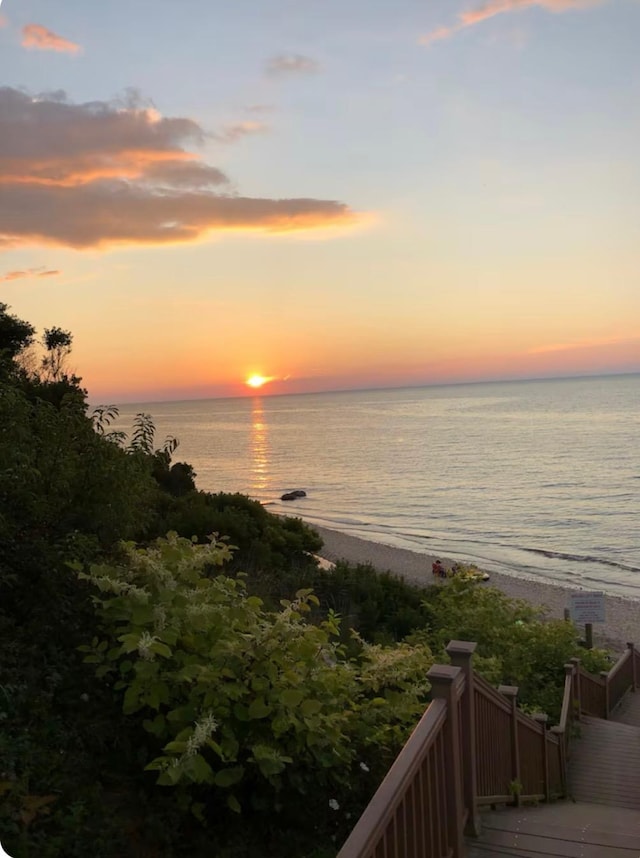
(267, 545)
(260, 707)
(517, 643)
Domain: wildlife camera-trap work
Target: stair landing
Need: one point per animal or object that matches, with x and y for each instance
(561, 830)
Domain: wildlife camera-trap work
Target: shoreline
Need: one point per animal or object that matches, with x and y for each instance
(622, 615)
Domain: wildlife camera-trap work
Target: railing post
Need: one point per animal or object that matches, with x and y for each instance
(577, 694)
(461, 654)
(562, 745)
(447, 683)
(511, 692)
(542, 719)
(604, 674)
(634, 677)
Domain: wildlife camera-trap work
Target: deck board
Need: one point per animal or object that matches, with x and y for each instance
(605, 764)
(562, 830)
(628, 710)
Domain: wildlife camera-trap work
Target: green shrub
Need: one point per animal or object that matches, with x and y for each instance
(250, 710)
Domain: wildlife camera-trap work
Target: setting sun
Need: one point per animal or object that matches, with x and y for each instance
(257, 380)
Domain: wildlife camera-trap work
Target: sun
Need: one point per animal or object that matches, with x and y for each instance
(257, 380)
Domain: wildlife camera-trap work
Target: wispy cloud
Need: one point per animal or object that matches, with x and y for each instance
(103, 174)
(579, 344)
(475, 15)
(231, 133)
(28, 272)
(260, 108)
(4, 21)
(291, 64)
(39, 37)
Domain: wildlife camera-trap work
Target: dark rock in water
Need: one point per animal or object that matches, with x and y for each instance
(298, 493)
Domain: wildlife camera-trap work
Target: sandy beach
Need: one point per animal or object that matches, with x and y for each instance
(622, 615)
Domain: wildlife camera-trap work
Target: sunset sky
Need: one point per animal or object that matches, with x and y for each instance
(326, 194)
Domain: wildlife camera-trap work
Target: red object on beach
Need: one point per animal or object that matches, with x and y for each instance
(438, 569)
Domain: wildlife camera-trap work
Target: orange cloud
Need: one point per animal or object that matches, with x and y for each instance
(4, 21)
(38, 37)
(470, 17)
(438, 35)
(28, 272)
(110, 173)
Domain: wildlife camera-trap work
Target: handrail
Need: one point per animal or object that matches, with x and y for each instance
(487, 690)
(620, 663)
(607, 689)
(371, 825)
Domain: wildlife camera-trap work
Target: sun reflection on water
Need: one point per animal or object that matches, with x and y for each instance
(259, 448)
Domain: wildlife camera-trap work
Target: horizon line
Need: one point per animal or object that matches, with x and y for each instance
(420, 386)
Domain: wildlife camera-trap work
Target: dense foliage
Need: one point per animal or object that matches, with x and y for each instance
(261, 706)
(181, 695)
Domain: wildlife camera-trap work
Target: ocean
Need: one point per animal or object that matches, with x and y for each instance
(538, 479)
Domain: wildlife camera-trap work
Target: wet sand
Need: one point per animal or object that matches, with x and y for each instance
(622, 615)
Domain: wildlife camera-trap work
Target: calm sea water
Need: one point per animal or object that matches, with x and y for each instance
(536, 478)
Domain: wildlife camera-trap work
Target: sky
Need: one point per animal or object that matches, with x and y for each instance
(324, 194)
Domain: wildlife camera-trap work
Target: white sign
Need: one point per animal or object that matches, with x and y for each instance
(587, 607)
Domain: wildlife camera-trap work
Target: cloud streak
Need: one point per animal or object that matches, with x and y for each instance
(285, 64)
(103, 174)
(35, 36)
(478, 14)
(579, 344)
(28, 272)
(232, 133)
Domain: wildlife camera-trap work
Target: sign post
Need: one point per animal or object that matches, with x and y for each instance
(587, 607)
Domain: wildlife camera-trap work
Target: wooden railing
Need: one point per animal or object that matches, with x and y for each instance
(517, 758)
(473, 747)
(599, 695)
(417, 810)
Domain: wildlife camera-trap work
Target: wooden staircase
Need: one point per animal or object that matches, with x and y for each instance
(473, 751)
(601, 820)
(605, 761)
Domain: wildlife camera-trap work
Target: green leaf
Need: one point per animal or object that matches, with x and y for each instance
(175, 747)
(233, 804)
(197, 809)
(271, 767)
(170, 777)
(228, 777)
(258, 709)
(200, 769)
(131, 701)
(157, 726)
(291, 697)
(241, 712)
(161, 649)
(310, 707)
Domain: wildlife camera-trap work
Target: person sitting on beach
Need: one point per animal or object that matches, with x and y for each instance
(438, 569)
